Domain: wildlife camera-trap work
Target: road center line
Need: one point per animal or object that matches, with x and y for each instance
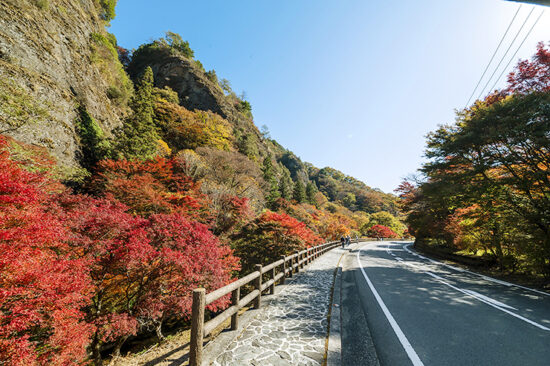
(398, 332)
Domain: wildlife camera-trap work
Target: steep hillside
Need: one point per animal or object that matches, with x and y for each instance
(55, 56)
(201, 90)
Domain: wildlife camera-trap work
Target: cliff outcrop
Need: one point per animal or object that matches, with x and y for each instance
(56, 59)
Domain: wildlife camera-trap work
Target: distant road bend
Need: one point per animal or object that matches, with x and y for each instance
(414, 310)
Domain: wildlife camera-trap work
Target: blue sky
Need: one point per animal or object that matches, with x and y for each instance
(352, 84)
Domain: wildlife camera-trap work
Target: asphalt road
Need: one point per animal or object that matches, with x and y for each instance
(409, 309)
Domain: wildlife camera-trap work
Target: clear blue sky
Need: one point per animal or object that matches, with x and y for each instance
(353, 84)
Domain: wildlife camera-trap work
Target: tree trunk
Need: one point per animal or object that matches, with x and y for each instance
(96, 350)
(119, 344)
(158, 330)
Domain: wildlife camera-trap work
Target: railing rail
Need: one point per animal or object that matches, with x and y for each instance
(289, 265)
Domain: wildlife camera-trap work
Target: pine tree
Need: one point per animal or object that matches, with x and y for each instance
(286, 185)
(311, 189)
(299, 193)
(139, 138)
(269, 177)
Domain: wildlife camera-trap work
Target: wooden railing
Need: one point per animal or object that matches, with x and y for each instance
(288, 266)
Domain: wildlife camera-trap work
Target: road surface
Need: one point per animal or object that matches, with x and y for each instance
(415, 311)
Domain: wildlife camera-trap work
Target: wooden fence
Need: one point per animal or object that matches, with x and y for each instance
(287, 266)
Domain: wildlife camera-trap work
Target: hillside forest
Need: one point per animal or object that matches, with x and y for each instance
(485, 190)
(184, 192)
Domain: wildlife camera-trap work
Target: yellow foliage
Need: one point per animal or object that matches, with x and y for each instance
(163, 148)
(183, 129)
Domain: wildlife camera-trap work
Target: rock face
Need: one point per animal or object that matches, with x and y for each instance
(194, 89)
(53, 58)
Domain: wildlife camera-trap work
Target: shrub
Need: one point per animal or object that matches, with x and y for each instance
(183, 129)
(95, 146)
(107, 12)
(44, 283)
(105, 55)
(268, 237)
(150, 187)
(380, 231)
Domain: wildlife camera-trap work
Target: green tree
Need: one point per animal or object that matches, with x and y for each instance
(269, 176)
(108, 9)
(386, 219)
(311, 190)
(139, 138)
(285, 185)
(349, 201)
(299, 193)
(95, 146)
(176, 42)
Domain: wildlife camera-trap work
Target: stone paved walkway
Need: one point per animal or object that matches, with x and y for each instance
(292, 329)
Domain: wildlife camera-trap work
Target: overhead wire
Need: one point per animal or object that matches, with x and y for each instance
(506, 53)
(494, 54)
(517, 50)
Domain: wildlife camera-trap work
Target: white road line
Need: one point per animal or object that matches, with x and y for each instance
(406, 247)
(490, 303)
(491, 300)
(398, 332)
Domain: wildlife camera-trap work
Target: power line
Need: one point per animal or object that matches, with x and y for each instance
(515, 53)
(506, 53)
(494, 54)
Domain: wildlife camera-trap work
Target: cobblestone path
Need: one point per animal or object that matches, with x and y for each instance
(292, 329)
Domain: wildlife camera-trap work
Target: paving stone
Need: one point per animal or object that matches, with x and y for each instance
(292, 329)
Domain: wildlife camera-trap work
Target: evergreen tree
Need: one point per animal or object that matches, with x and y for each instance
(299, 193)
(269, 177)
(139, 137)
(286, 185)
(311, 189)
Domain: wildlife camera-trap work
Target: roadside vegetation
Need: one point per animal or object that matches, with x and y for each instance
(485, 190)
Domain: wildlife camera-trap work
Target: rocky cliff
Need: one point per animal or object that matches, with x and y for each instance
(55, 56)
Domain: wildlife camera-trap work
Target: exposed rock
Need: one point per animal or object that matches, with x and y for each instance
(48, 59)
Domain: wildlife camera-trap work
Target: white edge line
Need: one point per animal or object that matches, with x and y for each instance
(406, 247)
(440, 279)
(398, 332)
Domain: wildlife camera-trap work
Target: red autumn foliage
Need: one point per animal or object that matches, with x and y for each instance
(143, 270)
(270, 235)
(119, 256)
(42, 284)
(381, 231)
(533, 75)
(150, 187)
(292, 226)
(233, 212)
(190, 256)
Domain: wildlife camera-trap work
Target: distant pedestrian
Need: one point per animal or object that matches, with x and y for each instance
(356, 238)
(343, 241)
(348, 240)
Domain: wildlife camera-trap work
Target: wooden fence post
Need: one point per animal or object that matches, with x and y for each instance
(235, 297)
(284, 270)
(258, 286)
(272, 287)
(291, 273)
(197, 324)
(297, 261)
